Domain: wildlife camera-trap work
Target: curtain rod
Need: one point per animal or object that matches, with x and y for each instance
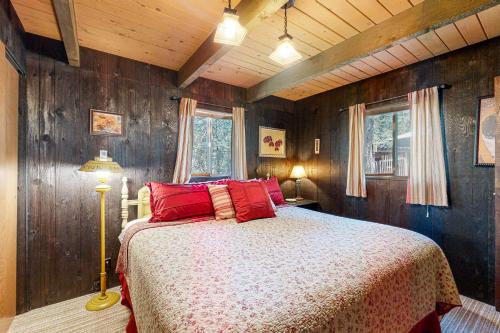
(177, 98)
(440, 86)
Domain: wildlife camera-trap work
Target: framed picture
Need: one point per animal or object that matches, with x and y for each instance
(484, 152)
(272, 142)
(105, 123)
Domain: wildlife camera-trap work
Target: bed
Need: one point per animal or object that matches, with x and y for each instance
(302, 271)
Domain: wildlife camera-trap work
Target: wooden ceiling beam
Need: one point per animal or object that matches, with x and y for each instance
(416, 21)
(66, 20)
(251, 13)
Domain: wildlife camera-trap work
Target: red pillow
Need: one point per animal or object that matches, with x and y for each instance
(274, 190)
(170, 202)
(250, 200)
(223, 181)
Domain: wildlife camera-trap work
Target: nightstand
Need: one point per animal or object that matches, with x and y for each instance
(306, 203)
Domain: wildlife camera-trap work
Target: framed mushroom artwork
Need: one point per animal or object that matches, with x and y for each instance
(272, 142)
(484, 152)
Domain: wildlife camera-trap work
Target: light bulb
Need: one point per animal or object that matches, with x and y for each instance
(285, 53)
(229, 27)
(103, 175)
(285, 50)
(230, 31)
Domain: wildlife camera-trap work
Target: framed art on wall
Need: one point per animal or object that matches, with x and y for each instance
(105, 123)
(272, 142)
(484, 152)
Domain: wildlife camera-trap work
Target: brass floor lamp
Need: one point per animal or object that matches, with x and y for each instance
(102, 167)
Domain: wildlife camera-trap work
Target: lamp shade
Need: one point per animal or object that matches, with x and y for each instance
(230, 31)
(101, 165)
(285, 53)
(298, 172)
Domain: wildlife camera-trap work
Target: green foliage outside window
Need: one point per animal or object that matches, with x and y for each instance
(212, 146)
(387, 143)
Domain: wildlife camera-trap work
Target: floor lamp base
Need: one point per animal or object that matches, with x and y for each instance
(99, 302)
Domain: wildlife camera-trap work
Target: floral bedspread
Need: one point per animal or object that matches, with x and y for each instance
(303, 271)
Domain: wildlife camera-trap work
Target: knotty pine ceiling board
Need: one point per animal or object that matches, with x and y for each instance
(433, 43)
(159, 32)
(363, 66)
(471, 29)
(402, 54)
(373, 10)
(377, 64)
(167, 33)
(37, 17)
(395, 6)
(451, 37)
(463, 32)
(417, 49)
(489, 20)
(315, 25)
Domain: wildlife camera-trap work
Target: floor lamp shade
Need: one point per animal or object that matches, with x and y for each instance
(103, 168)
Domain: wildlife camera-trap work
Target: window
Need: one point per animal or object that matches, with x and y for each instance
(212, 133)
(387, 143)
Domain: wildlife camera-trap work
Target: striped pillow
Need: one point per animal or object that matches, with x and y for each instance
(223, 205)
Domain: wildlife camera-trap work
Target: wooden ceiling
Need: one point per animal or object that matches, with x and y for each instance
(158, 32)
(464, 32)
(167, 33)
(321, 24)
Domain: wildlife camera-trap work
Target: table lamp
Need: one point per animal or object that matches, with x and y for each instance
(103, 167)
(298, 172)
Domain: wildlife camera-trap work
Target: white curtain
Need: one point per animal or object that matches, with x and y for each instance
(427, 174)
(356, 184)
(182, 171)
(239, 155)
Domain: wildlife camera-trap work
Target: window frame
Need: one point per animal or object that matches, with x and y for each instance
(212, 114)
(391, 106)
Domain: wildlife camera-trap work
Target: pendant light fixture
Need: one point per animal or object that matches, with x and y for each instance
(230, 31)
(285, 53)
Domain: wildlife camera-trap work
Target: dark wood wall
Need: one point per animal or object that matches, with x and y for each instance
(62, 233)
(11, 32)
(465, 231)
(497, 197)
(278, 113)
(12, 35)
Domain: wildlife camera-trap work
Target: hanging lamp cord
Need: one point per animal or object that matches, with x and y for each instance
(286, 20)
(229, 4)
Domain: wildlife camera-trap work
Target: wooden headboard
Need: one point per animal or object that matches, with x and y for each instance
(142, 202)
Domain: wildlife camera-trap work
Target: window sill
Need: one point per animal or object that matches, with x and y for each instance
(386, 177)
(199, 179)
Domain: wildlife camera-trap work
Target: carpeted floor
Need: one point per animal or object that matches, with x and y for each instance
(71, 316)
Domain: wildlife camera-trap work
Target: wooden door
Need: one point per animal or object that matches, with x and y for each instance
(9, 85)
(497, 196)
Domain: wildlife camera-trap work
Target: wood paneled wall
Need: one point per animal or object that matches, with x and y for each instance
(465, 231)
(12, 35)
(62, 258)
(278, 113)
(11, 32)
(9, 88)
(497, 196)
